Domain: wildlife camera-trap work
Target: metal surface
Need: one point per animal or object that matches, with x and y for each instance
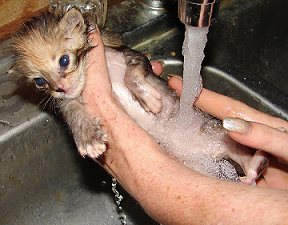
(156, 4)
(198, 13)
(44, 181)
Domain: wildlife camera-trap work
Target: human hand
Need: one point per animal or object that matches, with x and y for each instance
(139, 164)
(262, 132)
(100, 102)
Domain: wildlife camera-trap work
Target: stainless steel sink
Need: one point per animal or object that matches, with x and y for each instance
(245, 54)
(42, 178)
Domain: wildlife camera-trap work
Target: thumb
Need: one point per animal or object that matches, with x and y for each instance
(97, 78)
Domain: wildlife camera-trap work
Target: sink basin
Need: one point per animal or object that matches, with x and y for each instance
(42, 178)
(245, 53)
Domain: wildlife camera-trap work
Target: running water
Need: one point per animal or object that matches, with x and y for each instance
(192, 137)
(193, 52)
(189, 120)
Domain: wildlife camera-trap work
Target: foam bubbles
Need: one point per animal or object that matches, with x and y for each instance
(193, 138)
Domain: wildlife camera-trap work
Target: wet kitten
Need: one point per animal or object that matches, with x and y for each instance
(51, 52)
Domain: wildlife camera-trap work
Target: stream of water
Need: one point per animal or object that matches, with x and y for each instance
(193, 52)
(191, 136)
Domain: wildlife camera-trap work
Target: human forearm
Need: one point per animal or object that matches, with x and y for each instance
(173, 194)
(168, 191)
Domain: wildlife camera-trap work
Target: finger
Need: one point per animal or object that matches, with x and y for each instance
(157, 67)
(221, 106)
(97, 81)
(211, 102)
(258, 136)
(175, 83)
(97, 94)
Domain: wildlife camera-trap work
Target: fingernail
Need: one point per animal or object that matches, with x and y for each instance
(176, 76)
(236, 125)
(162, 63)
(159, 61)
(148, 55)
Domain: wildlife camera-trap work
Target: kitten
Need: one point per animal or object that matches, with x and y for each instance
(51, 52)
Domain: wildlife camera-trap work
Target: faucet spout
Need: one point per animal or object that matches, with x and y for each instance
(198, 13)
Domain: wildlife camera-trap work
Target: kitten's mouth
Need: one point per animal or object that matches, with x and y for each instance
(70, 92)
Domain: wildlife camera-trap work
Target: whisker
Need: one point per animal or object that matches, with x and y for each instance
(45, 97)
(51, 105)
(50, 97)
(54, 107)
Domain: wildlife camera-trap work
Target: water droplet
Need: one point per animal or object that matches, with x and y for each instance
(118, 198)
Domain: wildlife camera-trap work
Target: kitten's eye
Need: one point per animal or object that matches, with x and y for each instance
(39, 81)
(64, 61)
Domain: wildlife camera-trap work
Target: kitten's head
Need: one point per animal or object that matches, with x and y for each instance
(51, 52)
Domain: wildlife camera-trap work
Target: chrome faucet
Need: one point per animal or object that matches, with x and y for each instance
(198, 13)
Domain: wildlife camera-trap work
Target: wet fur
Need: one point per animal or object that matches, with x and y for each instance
(38, 48)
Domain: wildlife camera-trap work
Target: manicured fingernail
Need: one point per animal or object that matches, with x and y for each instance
(236, 125)
(176, 76)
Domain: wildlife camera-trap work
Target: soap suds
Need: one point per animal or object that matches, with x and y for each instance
(193, 138)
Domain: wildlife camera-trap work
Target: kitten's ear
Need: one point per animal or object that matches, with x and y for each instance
(71, 20)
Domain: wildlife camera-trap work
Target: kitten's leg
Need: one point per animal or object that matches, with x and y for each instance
(253, 164)
(88, 135)
(138, 67)
(258, 163)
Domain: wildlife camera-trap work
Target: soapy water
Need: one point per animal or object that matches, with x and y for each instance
(199, 152)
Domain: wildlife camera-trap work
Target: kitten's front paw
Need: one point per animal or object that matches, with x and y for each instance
(92, 140)
(149, 98)
(87, 131)
(138, 68)
(93, 149)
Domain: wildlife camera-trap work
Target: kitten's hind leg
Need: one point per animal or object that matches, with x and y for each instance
(89, 137)
(258, 163)
(138, 67)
